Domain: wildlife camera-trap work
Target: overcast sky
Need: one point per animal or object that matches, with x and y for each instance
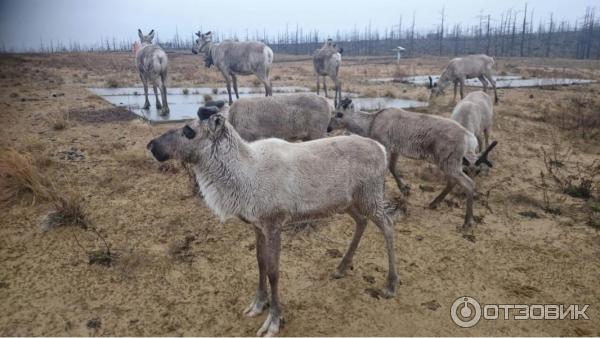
(23, 23)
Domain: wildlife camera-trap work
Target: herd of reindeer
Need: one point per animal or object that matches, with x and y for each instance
(247, 166)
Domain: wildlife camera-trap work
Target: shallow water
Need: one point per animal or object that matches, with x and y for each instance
(376, 103)
(510, 81)
(182, 107)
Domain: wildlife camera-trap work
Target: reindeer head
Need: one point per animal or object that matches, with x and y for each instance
(437, 88)
(146, 39)
(202, 42)
(342, 114)
(185, 143)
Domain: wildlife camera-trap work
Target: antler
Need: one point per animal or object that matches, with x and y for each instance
(218, 103)
(483, 156)
(345, 103)
(206, 112)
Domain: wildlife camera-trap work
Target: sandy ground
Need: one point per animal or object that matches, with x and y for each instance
(156, 286)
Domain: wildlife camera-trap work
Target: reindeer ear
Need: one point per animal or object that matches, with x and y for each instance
(341, 50)
(140, 34)
(216, 123)
(199, 34)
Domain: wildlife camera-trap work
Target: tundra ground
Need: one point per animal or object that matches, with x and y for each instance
(177, 271)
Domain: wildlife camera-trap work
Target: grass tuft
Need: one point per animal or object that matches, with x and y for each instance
(19, 177)
(68, 210)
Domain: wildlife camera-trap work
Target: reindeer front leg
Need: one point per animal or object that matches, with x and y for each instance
(261, 301)
(272, 234)
(228, 82)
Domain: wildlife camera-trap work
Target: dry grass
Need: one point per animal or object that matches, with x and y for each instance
(572, 178)
(113, 83)
(577, 113)
(68, 210)
(20, 177)
(133, 159)
(58, 121)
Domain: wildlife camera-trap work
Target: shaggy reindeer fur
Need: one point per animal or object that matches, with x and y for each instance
(292, 117)
(234, 58)
(327, 61)
(468, 67)
(476, 113)
(435, 139)
(152, 64)
(272, 182)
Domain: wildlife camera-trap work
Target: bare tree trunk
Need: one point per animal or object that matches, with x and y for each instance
(442, 30)
(549, 41)
(523, 31)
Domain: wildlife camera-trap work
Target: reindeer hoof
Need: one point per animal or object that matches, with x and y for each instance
(388, 293)
(271, 326)
(257, 306)
(338, 274)
(146, 105)
(164, 111)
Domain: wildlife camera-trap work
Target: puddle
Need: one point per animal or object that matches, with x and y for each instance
(183, 107)
(510, 81)
(376, 103)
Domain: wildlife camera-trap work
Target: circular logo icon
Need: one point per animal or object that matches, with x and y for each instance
(465, 312)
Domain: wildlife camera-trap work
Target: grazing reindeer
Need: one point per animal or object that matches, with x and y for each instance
(435, 139)
(234, 58)
(152, 63)
(459, 69)
(327, 61)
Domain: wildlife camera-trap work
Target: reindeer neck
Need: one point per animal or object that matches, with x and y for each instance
(210, 48)
(361, 123)
(223, 176)
(224, 161)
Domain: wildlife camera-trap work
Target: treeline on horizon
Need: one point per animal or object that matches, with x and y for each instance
(515, 33)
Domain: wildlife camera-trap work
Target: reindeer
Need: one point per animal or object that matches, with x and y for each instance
(327, 61)
(152, 63)
(270, 183)
(459, 69)
(441, 141)
(234, 58)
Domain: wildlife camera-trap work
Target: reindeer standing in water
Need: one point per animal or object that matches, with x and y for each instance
(234, 58)
(152, 63)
